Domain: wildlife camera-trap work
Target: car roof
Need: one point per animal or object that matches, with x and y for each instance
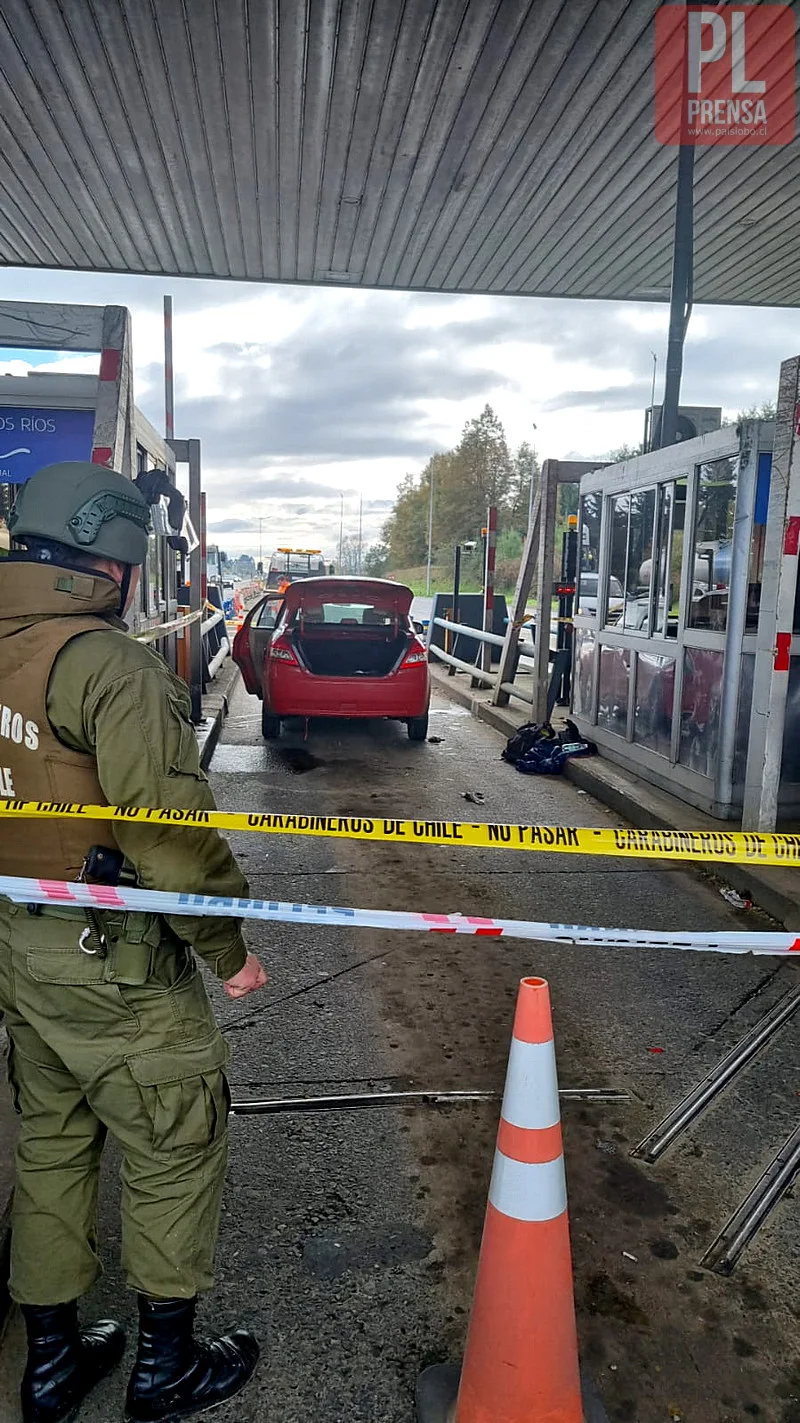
(349, 589)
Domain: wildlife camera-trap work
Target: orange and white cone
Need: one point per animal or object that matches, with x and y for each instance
(521, 1357)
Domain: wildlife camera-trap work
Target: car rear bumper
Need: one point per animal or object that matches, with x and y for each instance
(399, 696)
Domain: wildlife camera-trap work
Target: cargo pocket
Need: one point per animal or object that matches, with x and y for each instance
(184, 1092)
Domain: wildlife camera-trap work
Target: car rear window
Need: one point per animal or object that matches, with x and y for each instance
(348, 614)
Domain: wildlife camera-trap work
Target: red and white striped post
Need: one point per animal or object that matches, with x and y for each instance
(776, 612)
(112, 440)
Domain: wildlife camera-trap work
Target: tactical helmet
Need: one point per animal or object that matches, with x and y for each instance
(85, 507)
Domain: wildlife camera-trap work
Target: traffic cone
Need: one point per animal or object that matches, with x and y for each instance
(521, 1356)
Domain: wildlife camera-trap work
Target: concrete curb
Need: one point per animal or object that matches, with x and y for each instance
(644, 806)
(215, 710)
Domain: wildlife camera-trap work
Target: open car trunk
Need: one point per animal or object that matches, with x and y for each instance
(361, 653)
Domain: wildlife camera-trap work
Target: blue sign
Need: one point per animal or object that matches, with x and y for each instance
(763, 479)
(30, 438)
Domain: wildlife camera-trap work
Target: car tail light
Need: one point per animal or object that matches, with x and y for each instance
(417, 654)
(281, 651)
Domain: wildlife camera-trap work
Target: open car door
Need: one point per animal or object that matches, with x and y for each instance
(251, 641)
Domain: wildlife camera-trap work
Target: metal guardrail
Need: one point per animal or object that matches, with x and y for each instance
(153, 634)
(480, 636)
(216, 646)
(524, 654)
(212, 622)
(524, 651)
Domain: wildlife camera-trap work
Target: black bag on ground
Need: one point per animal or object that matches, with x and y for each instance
(523, 740)
(540, 750)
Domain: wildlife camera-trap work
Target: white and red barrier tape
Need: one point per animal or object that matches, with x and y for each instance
(96, 896)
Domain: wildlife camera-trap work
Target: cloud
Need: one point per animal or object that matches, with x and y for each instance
(301, 395)
(354, 388)
(619, 397)
(231, 526)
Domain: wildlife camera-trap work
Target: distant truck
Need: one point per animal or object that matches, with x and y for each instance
(217, 578)
(286, 565)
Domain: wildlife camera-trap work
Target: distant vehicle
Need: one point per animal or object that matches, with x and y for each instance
(587, 596)
(218, 577)
(286, 565)
(343, 647)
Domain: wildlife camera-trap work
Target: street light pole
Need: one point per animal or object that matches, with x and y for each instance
(360, 527)
(430, 540)
(341, 530)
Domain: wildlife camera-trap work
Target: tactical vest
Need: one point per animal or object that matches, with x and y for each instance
(35, 765)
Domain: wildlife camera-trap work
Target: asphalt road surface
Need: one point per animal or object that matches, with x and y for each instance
(350, 1238)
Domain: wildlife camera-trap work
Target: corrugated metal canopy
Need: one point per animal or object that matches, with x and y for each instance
(500, 146)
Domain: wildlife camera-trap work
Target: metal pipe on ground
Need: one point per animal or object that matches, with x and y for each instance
(768, 1191)
(652, 1146)
(355, 1101)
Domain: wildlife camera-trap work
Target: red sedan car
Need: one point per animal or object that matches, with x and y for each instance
(343, 647)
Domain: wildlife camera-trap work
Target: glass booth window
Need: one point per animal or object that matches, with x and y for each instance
(700, 709)
(583, 676)
(591, 509)
(613, 692)
(711, 544)
(666, 503)
(631, 520)
(655, 690)
(636, 616)
(619, 508)
(674, 561)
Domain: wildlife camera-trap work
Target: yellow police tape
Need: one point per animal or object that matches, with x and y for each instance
(730, 847)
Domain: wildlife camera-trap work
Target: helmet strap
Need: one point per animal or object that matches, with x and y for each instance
(124, 588)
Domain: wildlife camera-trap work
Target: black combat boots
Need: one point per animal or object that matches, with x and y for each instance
(64, 1361)
(175, 1374)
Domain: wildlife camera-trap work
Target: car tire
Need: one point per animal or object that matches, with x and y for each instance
(270, 725)
(418, 728)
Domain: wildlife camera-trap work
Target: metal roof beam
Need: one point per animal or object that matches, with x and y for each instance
(40, 326)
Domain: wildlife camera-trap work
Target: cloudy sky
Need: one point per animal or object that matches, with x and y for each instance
(309, 400)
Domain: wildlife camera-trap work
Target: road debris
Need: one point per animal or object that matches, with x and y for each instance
(739, 901)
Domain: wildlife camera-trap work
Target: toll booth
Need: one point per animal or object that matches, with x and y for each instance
(671, 557)
(49, 417)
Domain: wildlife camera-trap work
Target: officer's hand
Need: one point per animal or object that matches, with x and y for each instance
(247, 980)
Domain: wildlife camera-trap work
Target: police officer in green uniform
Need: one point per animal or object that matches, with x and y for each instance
(110, 1027)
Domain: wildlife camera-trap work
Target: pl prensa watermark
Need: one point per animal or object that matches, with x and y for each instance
(725, 74)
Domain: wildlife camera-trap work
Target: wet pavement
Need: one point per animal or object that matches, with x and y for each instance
(349, 1239)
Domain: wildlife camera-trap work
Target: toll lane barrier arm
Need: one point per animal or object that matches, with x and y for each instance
(725, 846)
(78, 895)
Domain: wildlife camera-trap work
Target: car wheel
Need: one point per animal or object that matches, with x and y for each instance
(418, 728)
(270, 725)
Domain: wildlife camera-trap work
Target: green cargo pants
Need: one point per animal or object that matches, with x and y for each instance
(124, 1044)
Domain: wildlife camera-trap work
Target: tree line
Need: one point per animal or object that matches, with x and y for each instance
(480, 471)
